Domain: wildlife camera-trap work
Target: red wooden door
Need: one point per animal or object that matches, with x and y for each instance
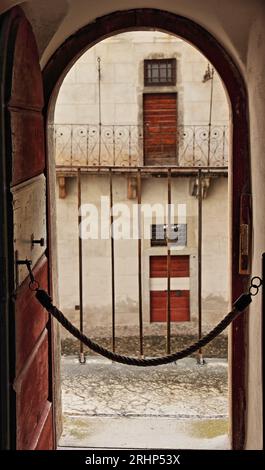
(179, 294)
(23, 131)
(160, 128)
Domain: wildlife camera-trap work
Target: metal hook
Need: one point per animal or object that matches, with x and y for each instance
(254, 287)
(33, 285)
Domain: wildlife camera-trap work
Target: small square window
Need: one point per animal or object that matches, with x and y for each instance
(177, 235)
(160, 72)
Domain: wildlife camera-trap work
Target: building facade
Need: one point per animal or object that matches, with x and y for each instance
(142, 99)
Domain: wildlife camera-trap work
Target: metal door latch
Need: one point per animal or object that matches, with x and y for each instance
(40, 242)
(245, 235)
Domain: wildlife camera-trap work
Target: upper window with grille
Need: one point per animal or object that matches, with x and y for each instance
(160, 72)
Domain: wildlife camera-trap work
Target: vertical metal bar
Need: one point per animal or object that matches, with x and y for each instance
(200, 357)
(71, 145)
(177, 132)
(112, 263)
(87, 144)
(168, 344)
(210, 120)
(130, 154)
(139, 197)
(114, 145)
(55, 144)
(80, 254)
(193, 145)
(224, 145)
(99, 111)
(99, 144)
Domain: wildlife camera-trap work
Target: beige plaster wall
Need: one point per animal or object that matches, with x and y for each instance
(122, 83)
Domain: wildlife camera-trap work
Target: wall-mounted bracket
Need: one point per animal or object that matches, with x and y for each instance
(245, 234)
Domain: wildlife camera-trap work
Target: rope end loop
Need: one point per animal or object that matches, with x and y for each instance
(242, 302)
(44, 299)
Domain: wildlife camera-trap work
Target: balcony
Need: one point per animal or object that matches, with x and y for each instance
(132, 146)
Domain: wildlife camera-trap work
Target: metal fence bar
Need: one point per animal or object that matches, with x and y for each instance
(139, 198)
(99, 144)
(72, 140)
(112, 264)
(223, 159)
(191, 143)
(168, 343)
(209, 145)
(87, 145)
(114, 146)
(80, 259)
(200, 195)
(130, 150)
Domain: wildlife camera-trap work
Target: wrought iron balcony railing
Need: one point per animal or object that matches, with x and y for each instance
(133, 145)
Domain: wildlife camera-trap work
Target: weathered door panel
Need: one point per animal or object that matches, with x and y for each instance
(179, 306)
(179, 266)
(29, 313)
(26, 184)
(27, 127)
(160, 128)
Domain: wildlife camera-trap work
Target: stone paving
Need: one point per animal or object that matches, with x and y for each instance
(108, 404)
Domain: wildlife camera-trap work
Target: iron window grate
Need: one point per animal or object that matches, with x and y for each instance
(160, 72)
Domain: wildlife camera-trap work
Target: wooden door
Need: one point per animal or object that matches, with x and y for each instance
(179, 294)
(160, 128)
(24, 160)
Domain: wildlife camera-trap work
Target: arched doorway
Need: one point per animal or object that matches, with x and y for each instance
(134, 20)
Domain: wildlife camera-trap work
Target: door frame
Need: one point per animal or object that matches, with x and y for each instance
(147, 19)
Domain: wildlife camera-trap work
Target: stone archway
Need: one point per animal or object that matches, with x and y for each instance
(144, 19)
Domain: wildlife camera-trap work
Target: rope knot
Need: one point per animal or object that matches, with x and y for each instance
(44, 299)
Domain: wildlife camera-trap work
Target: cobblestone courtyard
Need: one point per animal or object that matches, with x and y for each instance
(108, 405)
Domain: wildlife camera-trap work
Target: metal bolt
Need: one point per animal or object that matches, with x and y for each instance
(23, 262)
(40, 242)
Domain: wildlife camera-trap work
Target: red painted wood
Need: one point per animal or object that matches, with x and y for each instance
(25, 153)
(32, 388)
(179, 306)
(26, 90)
(179, 266)
(27, 128)
(31, 318)
(43, 436)
(24, 96)
(160, 128)
(46, 440)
